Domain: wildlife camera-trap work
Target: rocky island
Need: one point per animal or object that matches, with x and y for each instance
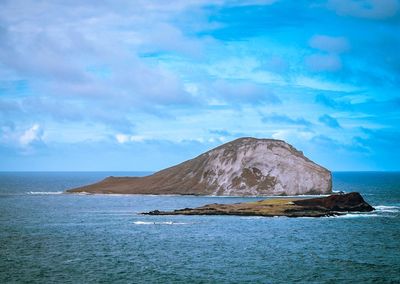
(243, 167)
(337, 204)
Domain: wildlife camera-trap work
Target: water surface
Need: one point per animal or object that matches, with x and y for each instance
(49, 237)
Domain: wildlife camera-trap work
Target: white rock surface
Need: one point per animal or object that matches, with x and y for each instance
(263, 167)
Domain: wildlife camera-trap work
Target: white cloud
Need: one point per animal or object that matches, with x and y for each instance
(329, 43)
(318, 84)
(31, 135)
(244, 68)
(281, 134)
(243, 92)
(328, 58)
(324, 62)
(70, 39)
(124, 138)
(137, 138)
(371, 9)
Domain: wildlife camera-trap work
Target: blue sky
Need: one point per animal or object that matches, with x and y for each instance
(142, 85)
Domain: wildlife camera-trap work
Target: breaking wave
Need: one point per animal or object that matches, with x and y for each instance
(380, 211)
(358, 215)
(387, 209)
(44, 192)
(159, 223)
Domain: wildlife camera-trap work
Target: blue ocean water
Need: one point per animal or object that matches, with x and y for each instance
(50, 237)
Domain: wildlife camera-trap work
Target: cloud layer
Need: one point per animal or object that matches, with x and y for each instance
(141, 81)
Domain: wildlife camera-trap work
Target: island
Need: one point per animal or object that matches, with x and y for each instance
(333, 205)
(243, 167)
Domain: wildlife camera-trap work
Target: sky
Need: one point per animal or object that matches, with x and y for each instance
(142, 85)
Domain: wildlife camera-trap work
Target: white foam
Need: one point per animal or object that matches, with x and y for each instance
(45, 192)
(252, 217)
(83, 193)
(260, 196)
(300, 195)
(357, 215)
(158, 223)
(388, 209)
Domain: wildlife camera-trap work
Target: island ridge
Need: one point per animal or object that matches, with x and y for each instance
(243, 167)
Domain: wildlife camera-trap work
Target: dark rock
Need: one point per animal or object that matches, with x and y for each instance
(290, 207)
(338, 202)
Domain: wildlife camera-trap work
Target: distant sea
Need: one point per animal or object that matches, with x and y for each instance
(50, 237)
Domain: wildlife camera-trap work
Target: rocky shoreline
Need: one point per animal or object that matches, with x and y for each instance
(333, 205)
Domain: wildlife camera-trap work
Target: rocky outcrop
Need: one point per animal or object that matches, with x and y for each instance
(243, 167)
(289, 207)
(338, 202)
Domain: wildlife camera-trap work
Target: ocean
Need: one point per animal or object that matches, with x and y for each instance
(50, 237)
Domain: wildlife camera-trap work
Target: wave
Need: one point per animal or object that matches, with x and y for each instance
(261, 196)
(358, 215)
(387, 209)
(380, 211)
(44, 192)
(252, 217)
(159, 223)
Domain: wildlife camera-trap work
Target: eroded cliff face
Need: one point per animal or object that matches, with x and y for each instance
(263, 167)
(243, 167)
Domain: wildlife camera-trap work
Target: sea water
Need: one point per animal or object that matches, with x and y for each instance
(50, 237)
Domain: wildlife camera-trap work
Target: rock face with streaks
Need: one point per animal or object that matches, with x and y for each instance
(243, 167)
